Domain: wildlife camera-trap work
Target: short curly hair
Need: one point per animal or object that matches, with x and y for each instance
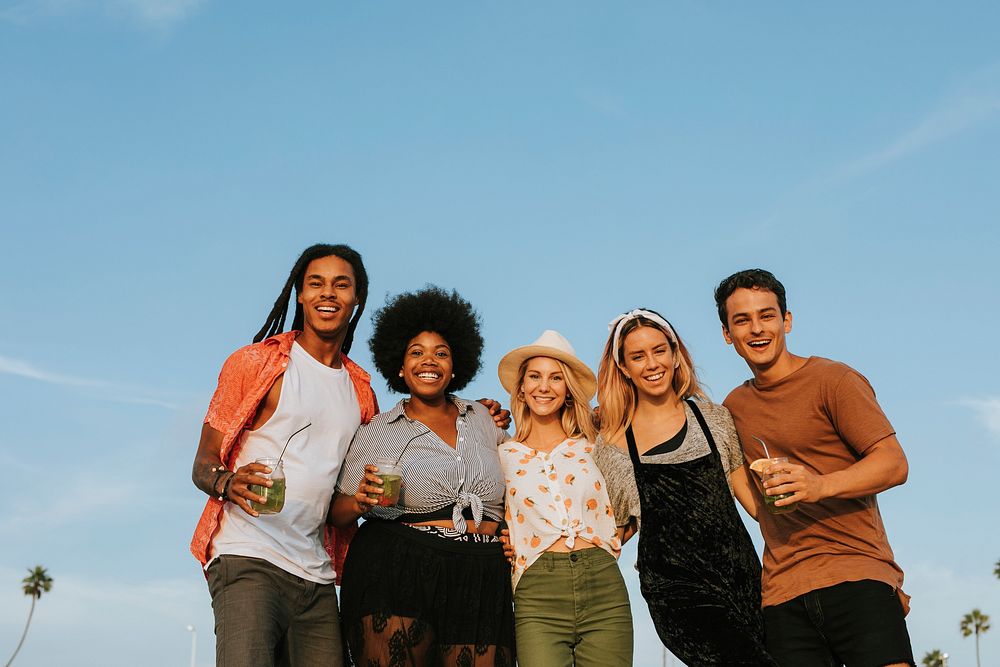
(405, 316)
(748, 279)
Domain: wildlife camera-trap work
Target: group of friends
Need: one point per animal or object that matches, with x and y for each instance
(503, 550)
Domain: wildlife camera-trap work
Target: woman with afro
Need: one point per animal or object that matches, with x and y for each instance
(426, 581)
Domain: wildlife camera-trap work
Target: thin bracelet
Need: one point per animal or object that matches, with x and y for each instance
(225, 488)
(219, 471)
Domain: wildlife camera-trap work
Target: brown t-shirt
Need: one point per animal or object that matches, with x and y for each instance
(823, 416)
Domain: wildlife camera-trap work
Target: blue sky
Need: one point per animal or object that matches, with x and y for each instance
(163, 162)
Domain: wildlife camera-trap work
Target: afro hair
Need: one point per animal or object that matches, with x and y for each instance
(407, 315)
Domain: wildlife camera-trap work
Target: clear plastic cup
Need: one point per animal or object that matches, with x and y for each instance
(392, 482)
(769, 499)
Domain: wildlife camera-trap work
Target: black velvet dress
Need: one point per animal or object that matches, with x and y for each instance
(698, 570)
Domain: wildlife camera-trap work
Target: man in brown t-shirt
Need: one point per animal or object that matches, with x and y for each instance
(830, 587)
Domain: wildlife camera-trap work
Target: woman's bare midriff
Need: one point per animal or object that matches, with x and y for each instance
(559, 546)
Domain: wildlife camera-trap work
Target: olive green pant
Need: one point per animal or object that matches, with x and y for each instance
(572, 609)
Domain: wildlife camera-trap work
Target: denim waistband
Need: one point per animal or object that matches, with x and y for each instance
(552, 560)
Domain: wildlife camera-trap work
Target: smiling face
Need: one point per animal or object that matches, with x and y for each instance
(427, 365)
(544, 386)
(649, 361)
(756, 328)
(327, 296)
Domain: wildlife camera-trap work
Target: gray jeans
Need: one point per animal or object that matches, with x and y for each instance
(265, 616)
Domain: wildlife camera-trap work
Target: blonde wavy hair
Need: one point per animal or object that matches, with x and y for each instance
(577, 417)
(616, 393)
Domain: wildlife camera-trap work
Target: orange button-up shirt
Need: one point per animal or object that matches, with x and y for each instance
(246, 377)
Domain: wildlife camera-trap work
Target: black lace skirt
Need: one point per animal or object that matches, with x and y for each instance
(414, 598)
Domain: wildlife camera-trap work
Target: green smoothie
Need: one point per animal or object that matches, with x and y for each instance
(758, 467)
(773, 509)
(391, 486)
(274, 496)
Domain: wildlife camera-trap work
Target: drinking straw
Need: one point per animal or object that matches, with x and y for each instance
(762, 444)
(290, 439)
(398, 458)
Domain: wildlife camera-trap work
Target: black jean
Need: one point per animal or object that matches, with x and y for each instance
(855, 623)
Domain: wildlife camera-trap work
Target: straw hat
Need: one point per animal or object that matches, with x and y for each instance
(550, 344)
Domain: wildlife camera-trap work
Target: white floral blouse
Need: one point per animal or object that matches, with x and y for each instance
(559, 494)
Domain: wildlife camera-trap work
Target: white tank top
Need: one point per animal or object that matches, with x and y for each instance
(293, 539)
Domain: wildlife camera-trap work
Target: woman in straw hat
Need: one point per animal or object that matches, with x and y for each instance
(570, 602)
(698, 569)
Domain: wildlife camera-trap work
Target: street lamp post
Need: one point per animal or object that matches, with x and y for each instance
(194, 642)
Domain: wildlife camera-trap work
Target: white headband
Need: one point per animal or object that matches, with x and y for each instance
(619, 322)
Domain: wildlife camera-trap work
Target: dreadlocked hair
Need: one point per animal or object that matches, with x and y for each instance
(407, 315)
(275, 323)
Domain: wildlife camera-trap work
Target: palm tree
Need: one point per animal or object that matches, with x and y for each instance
(37, 582)
(975, 622)
(996, 569)
(933, 659)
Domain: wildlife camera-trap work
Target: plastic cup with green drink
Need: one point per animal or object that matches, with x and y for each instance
(392, 482)
(759, 466)
(274, 495)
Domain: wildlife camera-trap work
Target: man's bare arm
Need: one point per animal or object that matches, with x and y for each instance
(206, 471)
(209, 474)
(744, 489)
(882, 467)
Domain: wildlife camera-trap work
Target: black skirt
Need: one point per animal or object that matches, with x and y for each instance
(412, 598)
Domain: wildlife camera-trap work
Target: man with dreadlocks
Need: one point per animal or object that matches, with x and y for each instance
(272, 577)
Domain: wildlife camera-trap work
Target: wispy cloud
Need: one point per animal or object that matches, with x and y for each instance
(972, 103)
(76, 499)
(23, 369)
(99, 389)
(988, 410)
(161, 13)
(151, 14)
(976, 102)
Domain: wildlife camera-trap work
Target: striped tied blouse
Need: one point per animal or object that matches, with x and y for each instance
(435, 475)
